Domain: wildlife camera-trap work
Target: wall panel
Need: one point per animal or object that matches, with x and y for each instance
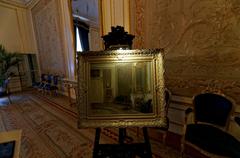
(49, 34)
(16, 33)
(115, 12)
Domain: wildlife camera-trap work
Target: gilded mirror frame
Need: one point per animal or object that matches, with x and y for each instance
(157, 118)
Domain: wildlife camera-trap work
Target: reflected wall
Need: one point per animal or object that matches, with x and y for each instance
(120, 88)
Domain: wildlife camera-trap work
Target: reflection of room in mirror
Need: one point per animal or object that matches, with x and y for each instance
(120, 88)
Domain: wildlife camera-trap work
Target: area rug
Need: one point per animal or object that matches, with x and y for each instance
(50, 130)
(44, 135)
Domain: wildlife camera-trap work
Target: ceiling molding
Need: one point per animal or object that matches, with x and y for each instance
(15, 3)
(32, 3)
(21, 3)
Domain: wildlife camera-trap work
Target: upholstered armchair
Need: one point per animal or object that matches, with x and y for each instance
(209, 132)
(237, 119)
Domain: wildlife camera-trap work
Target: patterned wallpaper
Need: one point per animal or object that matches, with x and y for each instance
(138, 20)
(49, 37)
(201, 40)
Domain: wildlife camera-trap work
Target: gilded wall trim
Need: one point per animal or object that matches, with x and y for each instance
(139, 19)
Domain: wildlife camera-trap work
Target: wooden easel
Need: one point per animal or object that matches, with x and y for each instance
(122, 150)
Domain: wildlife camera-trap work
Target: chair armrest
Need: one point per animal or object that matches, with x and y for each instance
(188, 111)
(237, 119)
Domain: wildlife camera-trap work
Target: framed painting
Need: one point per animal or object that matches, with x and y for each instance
(121, 88)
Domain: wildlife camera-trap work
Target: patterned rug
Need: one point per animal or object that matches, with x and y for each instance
(50, 130)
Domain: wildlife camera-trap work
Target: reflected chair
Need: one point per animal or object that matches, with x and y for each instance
(146, 106)
(209, 132)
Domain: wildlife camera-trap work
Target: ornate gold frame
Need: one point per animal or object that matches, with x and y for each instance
(155, 119)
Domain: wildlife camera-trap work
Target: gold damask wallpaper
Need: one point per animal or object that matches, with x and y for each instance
(48, 29)
(201, 39)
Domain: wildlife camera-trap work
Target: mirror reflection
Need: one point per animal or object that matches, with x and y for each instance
(120, 88)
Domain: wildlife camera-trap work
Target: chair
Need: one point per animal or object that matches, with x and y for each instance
(55, 83)
(237, 119)
(164, 130)
(6, 92)
(10, 142)
(52, 84)
(37, 84)
(209, 132)
(40, 85)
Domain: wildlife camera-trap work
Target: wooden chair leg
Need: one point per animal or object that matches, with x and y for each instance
(182, 149)
(164, 138)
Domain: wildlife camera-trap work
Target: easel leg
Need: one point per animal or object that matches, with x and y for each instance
(96, 142)
(147, 142)
(122, 135)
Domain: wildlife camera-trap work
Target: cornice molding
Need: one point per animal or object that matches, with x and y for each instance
(27, 5)
(32, 3)
(13, 3)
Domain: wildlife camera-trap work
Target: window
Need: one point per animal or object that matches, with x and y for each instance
(78, 41)
(81, 35)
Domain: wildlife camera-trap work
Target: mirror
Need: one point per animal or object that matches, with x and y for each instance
(121, 88)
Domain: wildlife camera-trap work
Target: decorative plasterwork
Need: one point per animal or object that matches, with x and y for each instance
(201, 39)
(19, 3)
(49, 36)
(139, 18)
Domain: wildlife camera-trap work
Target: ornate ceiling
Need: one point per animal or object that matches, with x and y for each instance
(21, 1)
